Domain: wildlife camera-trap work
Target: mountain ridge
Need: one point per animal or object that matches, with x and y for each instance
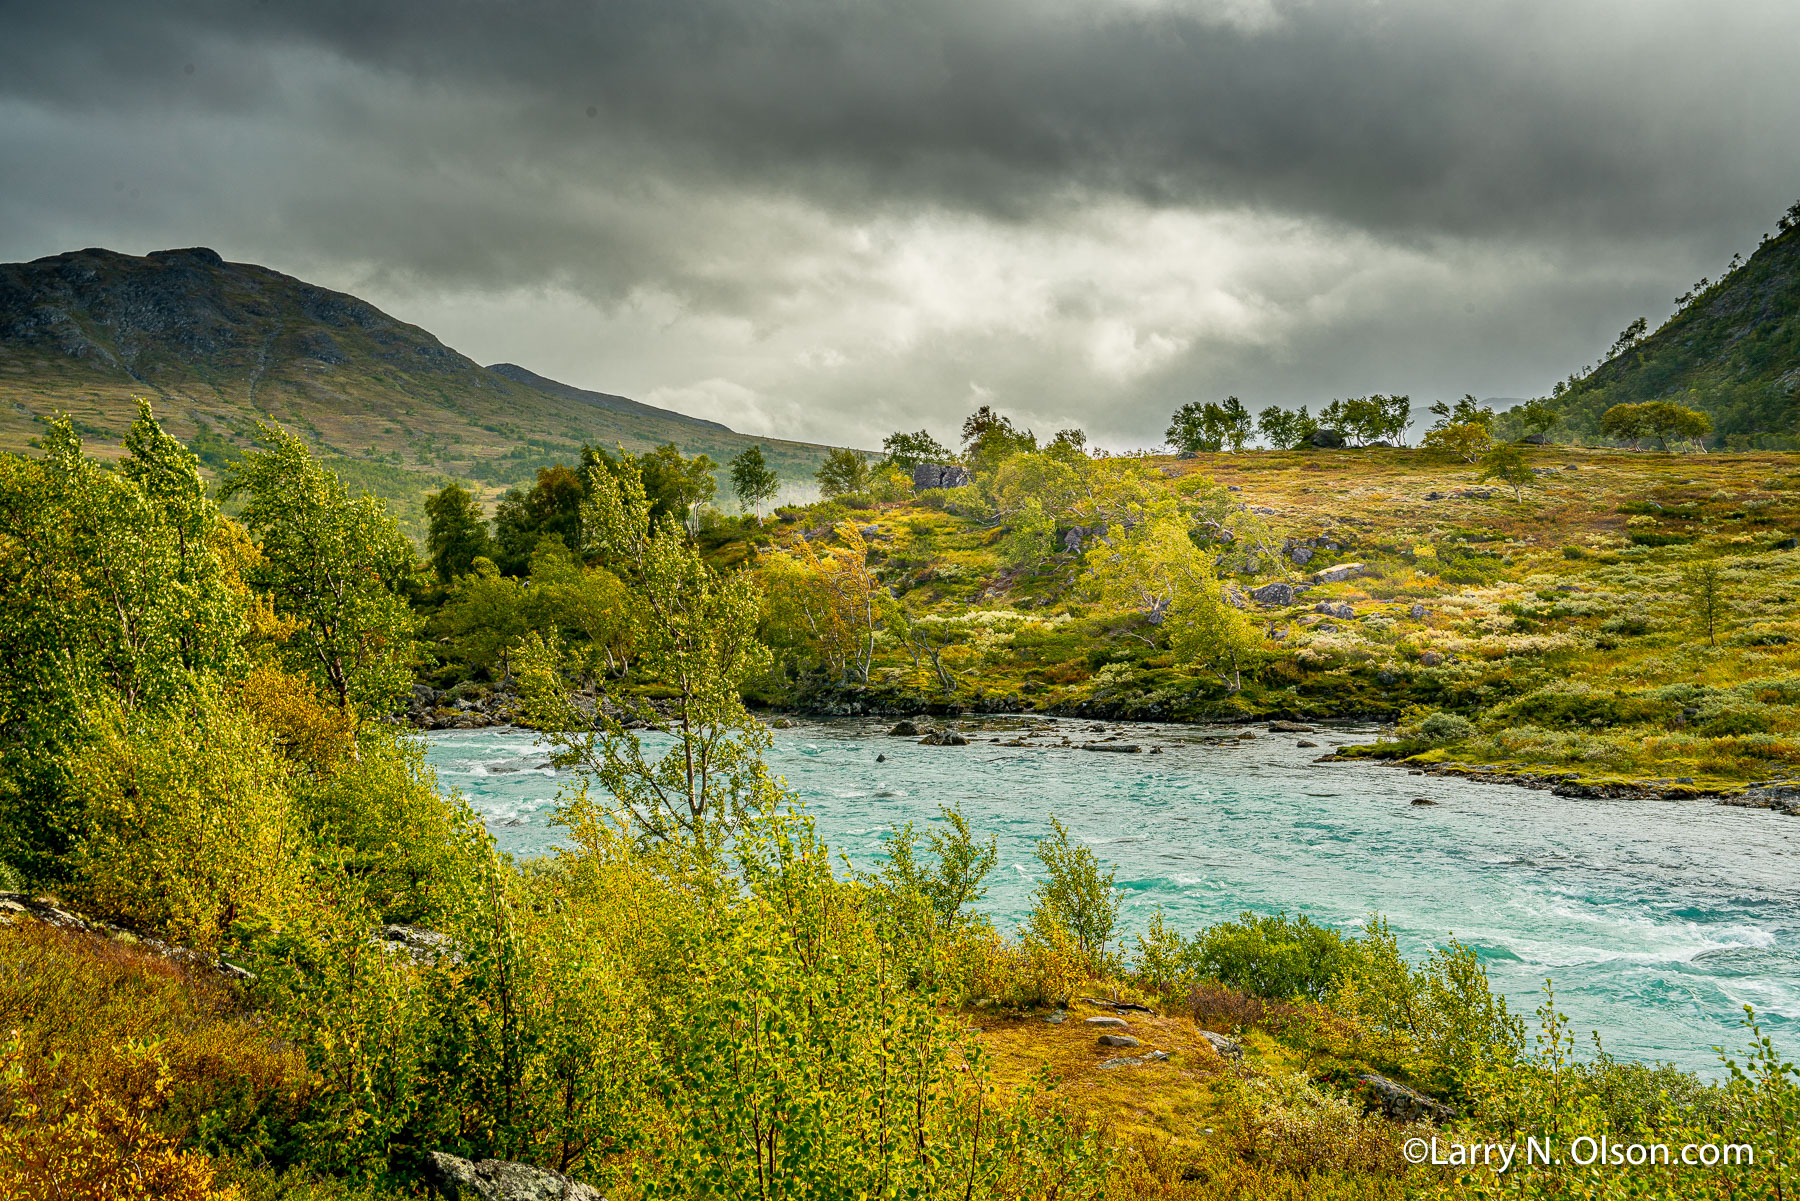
(1732, 350)
(218, 346)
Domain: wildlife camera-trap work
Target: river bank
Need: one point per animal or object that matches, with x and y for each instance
(1657, 920)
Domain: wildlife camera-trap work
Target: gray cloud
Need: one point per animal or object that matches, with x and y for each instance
(831, 217)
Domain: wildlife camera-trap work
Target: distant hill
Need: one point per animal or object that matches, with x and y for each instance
(1733, 351)
(216, 346)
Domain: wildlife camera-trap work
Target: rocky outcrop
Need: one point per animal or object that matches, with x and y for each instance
(424, 947)
(1276, 593)
(462, 708)
(1327, 439)
(1399, 1103)
(1343, 571)
(501, 1180)
(1227, 1048)
(18, 906)
(939, 475)
(1782, 798)
(1136, 1061)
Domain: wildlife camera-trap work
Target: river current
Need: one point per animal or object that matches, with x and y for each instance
(1657, 920)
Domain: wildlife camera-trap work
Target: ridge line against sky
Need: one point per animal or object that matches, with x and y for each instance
(828, 219)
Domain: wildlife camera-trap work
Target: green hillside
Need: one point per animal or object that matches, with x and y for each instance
(1732, 351)
(218, 346)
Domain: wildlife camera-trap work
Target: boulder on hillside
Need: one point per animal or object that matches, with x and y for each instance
(939, 475)
(1343, 571)
(501, 1180)
(1327, 439)
(1535, 440)
(1276, 593)
(1401, 1104)
(1228, 1048)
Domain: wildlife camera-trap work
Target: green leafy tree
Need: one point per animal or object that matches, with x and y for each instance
(1210, 428)
(551, 506)
(458, 533)
(1068, 445)
(587, 605)
(697, 639)
(1625, 422)
(1286, 958)
(1366, 419)
(1506, 463)
(1668, 423)
(1284, 430)
(1396, 418)
(1538, 416)
(990, 438)
(115, 589)
(754, 481)
(907, 451)
(484, 616)
(1153, 568)
(1467, 411)
(844, 472)
(1632, 335)
(674, 483)
(1659, 419)
(1704, 584)
(336, 564)
(1076, 898)
(926, 899)
(1468, 441)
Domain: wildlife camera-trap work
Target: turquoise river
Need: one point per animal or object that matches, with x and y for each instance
(1657, 920)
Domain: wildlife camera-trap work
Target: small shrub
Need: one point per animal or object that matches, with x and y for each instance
(1217, 1007)
(1437, 728)
(1275, 956)
(1078, 898)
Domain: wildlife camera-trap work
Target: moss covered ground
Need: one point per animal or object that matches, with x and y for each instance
(1564, 627)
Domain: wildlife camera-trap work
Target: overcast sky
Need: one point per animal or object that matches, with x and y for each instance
(828, 219)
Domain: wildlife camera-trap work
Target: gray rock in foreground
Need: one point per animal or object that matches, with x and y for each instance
(500, 1180)
(939, 475)
(1227, 1048)
(1276, 593)
(1400, 1103)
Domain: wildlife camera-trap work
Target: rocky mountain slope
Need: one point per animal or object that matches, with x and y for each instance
(217, 346)
(1733, 351)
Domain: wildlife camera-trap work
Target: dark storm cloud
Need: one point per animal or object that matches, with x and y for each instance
(1455, 117)
(1441, 193)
